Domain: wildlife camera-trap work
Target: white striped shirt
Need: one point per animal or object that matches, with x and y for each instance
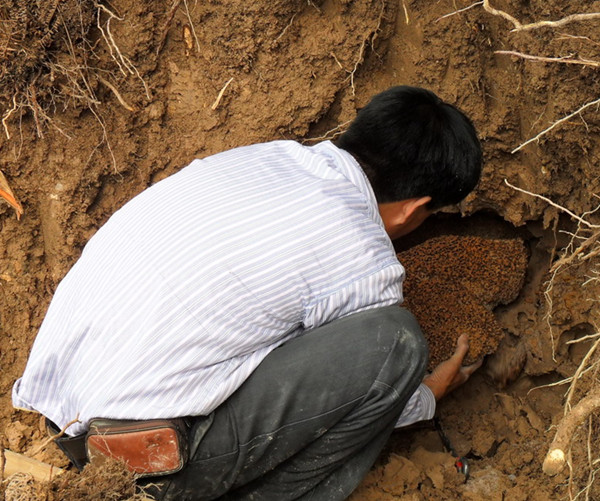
(184, 291)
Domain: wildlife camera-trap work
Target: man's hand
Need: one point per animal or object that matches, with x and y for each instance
(450, 374)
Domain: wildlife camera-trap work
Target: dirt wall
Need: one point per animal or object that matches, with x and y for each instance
(116, 99)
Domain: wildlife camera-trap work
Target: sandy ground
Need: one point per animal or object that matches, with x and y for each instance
(88, 126)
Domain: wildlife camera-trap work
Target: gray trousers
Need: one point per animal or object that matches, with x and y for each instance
(311, 420)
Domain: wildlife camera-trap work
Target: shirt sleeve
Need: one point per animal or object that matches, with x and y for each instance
(420, 407)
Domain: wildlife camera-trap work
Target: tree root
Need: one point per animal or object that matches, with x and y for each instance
(556, 459)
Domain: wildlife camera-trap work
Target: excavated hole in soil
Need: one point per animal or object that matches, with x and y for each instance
(458, 271)
(494, 420)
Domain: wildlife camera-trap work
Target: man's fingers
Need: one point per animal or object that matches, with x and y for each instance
(462, 347)
(474, 366)
(451, 373)
(468, 370)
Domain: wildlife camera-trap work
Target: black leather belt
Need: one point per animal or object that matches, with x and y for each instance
(73, 447)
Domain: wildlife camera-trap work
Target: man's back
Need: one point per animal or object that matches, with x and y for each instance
(186, 289)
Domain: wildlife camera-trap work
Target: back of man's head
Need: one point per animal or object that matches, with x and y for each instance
(411, 144)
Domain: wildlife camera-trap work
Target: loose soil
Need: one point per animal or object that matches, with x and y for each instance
(96, 111)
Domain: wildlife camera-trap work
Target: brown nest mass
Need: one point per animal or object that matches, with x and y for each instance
(453, 283)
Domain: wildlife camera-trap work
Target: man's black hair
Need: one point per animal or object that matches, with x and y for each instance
(411, 144)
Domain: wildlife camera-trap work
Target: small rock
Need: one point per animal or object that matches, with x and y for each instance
(401, 474)
(486, 485)
(15, 434)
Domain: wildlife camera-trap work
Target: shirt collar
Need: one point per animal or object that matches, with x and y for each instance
(349, 167)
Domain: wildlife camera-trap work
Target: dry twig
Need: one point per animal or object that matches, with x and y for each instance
(459, 11)
(167, 25)
(287, 27)
(596, 102)
(566, 59)
(7, 116)
(116, 93)
(560, 22)
(187, 12)
(578, 253)
(54, 437)
(584, 338)
(577, 375)
(359, 60)
(566, 380)
(105, 137)
(501, 13)
(406, 18)
(123, 62)
(370, 38)
(220, 96)
(554, 204)
(518, 26)
(330, 134)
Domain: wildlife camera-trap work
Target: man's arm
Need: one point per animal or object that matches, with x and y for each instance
(445, 377)
(450, 374)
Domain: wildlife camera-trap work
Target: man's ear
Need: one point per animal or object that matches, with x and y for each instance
(402, 217)
(406, 209)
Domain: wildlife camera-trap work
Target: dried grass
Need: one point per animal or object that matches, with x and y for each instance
(108, 481)
(48, 62)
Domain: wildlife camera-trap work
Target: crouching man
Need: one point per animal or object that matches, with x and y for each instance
(253, 298)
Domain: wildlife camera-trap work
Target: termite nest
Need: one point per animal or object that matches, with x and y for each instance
(452, 285)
